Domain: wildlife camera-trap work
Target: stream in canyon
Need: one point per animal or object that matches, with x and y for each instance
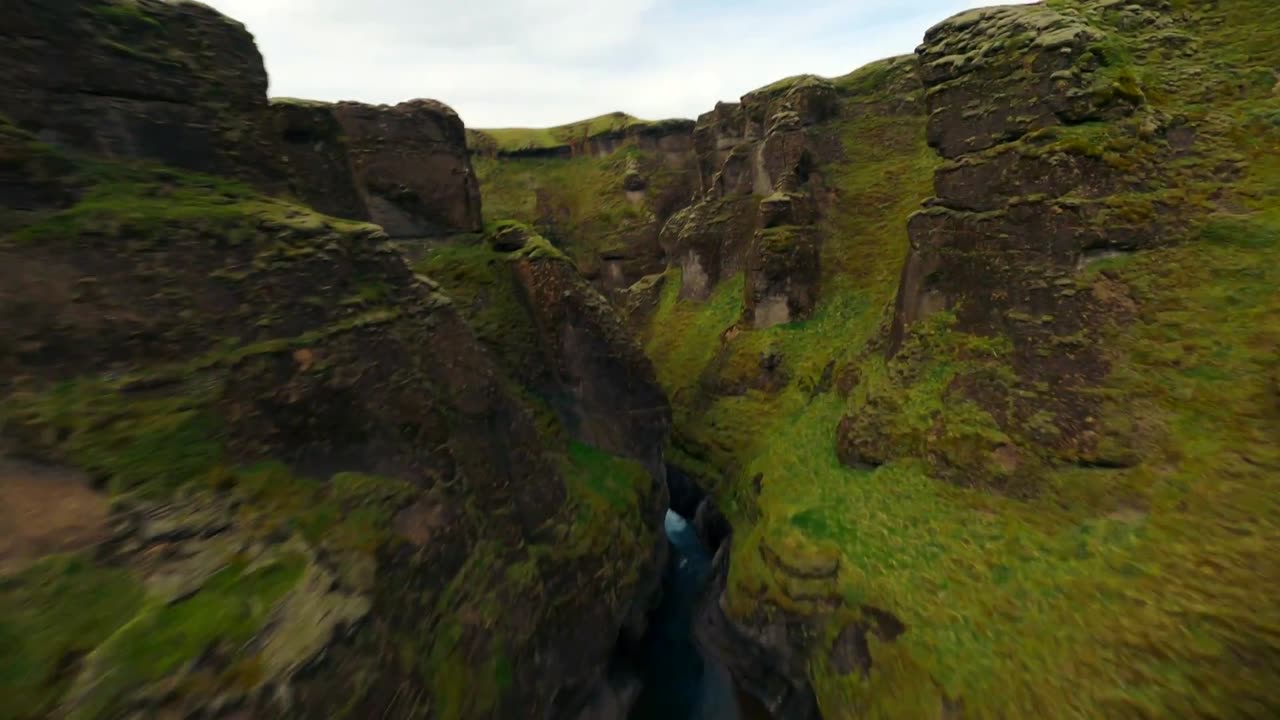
(680, 682)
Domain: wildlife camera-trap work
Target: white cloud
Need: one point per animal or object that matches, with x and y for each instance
(546, 62)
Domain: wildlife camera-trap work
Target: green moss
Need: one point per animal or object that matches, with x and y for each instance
(481, 284)
(156, 443)
(517, 139)
(603, 483)
(142, 204)
(228, 609)
(1149, 580)
(61, 608)
(124, 14)
(881, 80)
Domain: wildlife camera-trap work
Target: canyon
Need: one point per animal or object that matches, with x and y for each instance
(948, 388)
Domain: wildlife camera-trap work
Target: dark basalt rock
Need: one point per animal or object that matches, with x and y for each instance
(603, 385)
(1028, 196)
(768, 660)
(782, 276)
(175, 82)
(318, 157)
(411, 167)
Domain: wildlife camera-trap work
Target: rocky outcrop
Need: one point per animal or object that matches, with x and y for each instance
(767, 657)
(600, 190)
(411, 167)
(757, 160)
(562, 341)
(561, 338)
(179, 83)
(318, 157)
(782, 275)
(604, 386)
(1030, 192)
(314, 491)
(174, 82)
(402, 167)
(251, 387)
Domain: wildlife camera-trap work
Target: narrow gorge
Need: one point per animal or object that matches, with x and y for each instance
(947, 388)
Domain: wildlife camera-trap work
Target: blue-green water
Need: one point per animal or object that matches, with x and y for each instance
(679, 683)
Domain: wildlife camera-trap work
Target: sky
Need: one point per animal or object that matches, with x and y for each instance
(537, 63)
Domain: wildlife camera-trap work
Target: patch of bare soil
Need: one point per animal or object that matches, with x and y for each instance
(45, 510)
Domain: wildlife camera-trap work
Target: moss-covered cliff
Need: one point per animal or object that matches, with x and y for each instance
(600, 190)
(251, 463)
(976, 349)
(306, 460)
(1021, 457)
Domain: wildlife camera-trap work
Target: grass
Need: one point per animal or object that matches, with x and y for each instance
(142, 202)
(63, 607)
(506, 140)
(1139, 590)
(578, 202)
(229, 609)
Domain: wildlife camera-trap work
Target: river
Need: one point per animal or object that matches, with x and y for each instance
(679, 682)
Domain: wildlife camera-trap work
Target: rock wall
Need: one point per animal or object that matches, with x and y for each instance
(174, 82)
(318, 156)
(756, 163)
(1026, 198)
(299, 484)
(403, 167)
(179, 83)
(560, 339)
(602, 197)
(246, 380)
(411, 167)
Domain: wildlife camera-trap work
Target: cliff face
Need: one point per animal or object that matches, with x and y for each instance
(756, 162)
(277, 473)
(600, 190)
(411, 167)
(1013, 429)
(178, 83)
(318, 156)
(174, 82)
(403, 167)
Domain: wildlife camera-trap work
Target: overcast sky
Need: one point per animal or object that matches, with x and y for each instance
(533, 63)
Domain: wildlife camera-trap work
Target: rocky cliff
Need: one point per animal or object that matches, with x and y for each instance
(600, 190)
(403, 167)
(174, 82)
(1022, 442)
(973, 352)
(254, 465)
(178, 83)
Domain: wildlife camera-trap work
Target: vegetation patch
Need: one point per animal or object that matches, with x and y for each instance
(507, 140)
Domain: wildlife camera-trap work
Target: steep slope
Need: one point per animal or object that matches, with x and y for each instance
(276, 472)
(1032, 469)
(246, 382)
(600, 190)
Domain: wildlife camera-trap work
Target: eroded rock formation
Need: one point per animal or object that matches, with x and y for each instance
(403, 167)
(599, 190)
(315, 492)
(174, 82)
(756, 160)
